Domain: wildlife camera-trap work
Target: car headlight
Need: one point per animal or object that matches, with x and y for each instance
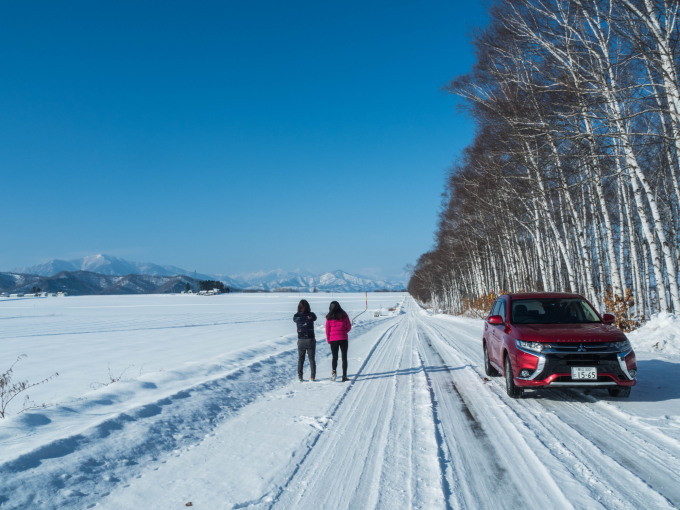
(622, 346)
(529, 346)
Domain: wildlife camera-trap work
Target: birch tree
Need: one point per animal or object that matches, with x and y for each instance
(572, 181)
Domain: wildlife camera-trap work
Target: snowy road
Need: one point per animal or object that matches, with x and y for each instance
(417, 426)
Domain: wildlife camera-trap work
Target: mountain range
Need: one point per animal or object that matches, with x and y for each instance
(105, 264)
(80, 283)
(105, 274)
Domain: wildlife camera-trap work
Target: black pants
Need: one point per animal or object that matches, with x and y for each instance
(341, 345)
(312, 360)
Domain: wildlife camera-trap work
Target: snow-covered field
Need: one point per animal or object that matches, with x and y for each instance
(206, 411)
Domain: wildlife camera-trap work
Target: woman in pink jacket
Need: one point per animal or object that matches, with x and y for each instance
(337, 327)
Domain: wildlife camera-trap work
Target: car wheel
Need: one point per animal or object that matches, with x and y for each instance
(510, 387)
(621, 391)
(488, 368)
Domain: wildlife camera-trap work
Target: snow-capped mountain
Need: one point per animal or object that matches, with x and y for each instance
(49, 268)
(80, 283)
(304, 281)
(108, 265)
(276, 279)
(299, 280)
(335, 281)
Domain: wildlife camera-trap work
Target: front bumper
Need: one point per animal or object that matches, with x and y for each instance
(553, 368)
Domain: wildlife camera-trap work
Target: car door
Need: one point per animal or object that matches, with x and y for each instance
(494, 333)
(500, 331)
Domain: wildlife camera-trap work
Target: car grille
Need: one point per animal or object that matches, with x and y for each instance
(581, 347)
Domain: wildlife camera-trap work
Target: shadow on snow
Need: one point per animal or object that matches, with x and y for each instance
(405, 371)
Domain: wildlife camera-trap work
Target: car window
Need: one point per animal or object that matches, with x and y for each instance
(552, 311)
(494, 307)
(501, 309)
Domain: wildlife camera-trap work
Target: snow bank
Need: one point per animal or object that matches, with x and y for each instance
(661, 334)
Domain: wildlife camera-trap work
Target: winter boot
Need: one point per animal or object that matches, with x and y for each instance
(344, 378)
(333, 375)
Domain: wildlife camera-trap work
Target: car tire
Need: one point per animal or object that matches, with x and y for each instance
(621, 391)
(488, 367)
(510, 387)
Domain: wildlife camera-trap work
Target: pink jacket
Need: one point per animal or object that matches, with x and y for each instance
(337, 329)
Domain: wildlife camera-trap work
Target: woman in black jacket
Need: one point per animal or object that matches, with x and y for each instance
(304, 318)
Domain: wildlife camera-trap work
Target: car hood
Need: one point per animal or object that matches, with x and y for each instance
(577, 333)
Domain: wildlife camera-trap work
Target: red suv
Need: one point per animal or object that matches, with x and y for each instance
(555, 339)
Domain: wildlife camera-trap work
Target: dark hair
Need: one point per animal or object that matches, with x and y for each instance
(335, 311)
(303, 306)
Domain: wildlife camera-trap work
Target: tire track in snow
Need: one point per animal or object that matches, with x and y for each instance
(653, 457)
(596, 464)
(467, 442)
(577, 474)
(525, 476)
(611, 483)
(655, 465)
(443, 454)
(413, 432)
(381, 416)
(285, 489)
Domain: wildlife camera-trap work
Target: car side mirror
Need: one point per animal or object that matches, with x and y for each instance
(608, 318)
(495, 320)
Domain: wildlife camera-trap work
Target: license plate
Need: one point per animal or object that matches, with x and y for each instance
(589, 373)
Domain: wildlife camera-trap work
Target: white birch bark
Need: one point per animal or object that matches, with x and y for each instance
(609, 88)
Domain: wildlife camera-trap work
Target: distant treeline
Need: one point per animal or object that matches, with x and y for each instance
(211, 285)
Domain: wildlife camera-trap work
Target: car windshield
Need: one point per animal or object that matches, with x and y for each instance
(552, 311)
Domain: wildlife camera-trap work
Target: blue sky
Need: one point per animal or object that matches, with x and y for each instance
(229, 137)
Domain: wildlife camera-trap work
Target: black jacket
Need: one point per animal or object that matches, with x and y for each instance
(305, 325)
